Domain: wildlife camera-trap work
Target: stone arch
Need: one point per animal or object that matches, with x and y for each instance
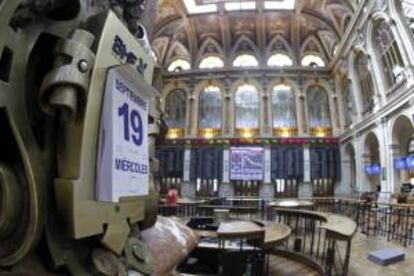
(311, 45)
(371, 155)
(350, 162)
(251, 48)
(197, 93)
(210, 47)
(279, 45)
(401, 132)
(177, 51)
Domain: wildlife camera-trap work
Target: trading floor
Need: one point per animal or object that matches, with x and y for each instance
(207, 137)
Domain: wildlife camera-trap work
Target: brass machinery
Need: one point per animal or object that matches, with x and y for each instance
(54, 55)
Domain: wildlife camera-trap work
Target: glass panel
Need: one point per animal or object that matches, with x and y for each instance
(279, 5)
(318, 107)
(239, 6)
(211, 62)
(247, 107)
(179, 65)
(176, 109)
(279, 60)
(194, 8)
(210, 108)
(312, 60)
(283, 106)
(245, 61)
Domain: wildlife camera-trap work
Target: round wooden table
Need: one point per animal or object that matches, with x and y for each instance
(274, 233)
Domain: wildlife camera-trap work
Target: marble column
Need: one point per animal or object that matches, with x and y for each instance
(226, 188)
(267, 188)
(188, 188)
(305, 189)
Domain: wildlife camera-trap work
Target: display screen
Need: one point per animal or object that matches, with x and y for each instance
(410, 162)
(373, 169)
(246, 163)
(400, 164)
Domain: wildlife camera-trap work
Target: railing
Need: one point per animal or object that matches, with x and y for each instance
(316, 236)
(395, 222)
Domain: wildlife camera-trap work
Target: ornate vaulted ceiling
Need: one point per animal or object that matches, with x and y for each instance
(310, 26)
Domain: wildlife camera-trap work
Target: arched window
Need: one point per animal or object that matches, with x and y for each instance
(365, 83)
(279, 60)
(247, 106)
(211, 62)
(312, 60)
(283, 107)
(318, 108)
(245, 60)
(210, 108)
(387, 52)
(176, 108)
(408, 11)
(348, 102)
(179, 65)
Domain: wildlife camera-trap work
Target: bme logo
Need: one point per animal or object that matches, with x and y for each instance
(120, 50)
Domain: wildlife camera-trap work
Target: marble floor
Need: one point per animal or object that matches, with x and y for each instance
(279, 265)
(360, 265)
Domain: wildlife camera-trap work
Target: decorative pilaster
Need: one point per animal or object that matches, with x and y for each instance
(305, 190)
(187, 189)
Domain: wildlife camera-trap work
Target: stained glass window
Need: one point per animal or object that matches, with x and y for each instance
(283, 107)
(179, 65)
(176, 108)
(245, 60)
(279, 60)
(318, 107)
(312, 60)
(247, 106)
(211, 62)
(210, 108)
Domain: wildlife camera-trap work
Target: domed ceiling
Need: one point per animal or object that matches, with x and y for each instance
(191, 28)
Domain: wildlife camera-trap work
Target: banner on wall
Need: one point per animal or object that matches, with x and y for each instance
(246, 163)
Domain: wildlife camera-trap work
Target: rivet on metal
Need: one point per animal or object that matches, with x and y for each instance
(83, 66)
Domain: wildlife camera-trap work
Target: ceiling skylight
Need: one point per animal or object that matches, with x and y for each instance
(194, 8)
(279, 5)
(240, 6)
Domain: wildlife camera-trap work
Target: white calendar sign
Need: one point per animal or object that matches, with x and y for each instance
(123, 157)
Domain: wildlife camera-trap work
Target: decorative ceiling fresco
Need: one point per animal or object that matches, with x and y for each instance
(301, 25)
